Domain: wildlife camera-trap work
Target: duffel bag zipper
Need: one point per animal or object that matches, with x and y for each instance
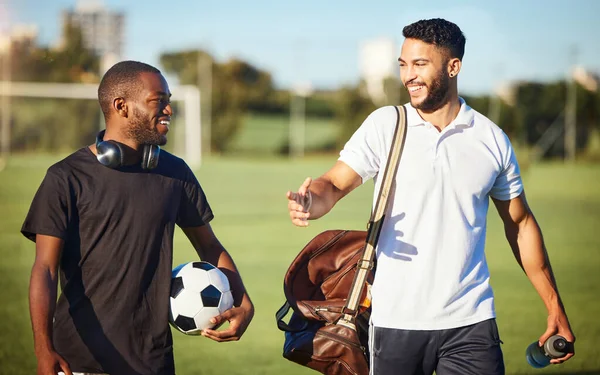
(322, 249)
(341, 340)
(328, 244)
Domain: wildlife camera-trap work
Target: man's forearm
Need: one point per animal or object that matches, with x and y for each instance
(226, 264)
(42, 302)
(324, 196)
(536, 264)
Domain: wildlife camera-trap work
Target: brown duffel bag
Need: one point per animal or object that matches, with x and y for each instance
(316, 287)
(326, 286)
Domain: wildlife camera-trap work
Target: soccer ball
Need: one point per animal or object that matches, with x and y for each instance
(199, 292)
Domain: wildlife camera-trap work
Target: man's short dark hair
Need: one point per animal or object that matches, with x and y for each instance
(439, 32)
(121, 81)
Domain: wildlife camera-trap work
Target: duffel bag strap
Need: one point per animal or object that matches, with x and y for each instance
(376, 220)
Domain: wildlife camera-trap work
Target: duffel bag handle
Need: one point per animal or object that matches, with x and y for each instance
(281, 313)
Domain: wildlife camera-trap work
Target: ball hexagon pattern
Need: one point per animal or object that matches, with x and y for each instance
(199, 292)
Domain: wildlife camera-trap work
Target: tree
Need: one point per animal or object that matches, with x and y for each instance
(394, 91)
(70, 63)
(540, 105)
(53, 124)
(352, 106)
(236, 85)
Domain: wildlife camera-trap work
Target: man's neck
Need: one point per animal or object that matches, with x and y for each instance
(444, 115)
(131, 150)
(117, 136)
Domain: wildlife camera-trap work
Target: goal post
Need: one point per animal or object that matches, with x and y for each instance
(189, 95)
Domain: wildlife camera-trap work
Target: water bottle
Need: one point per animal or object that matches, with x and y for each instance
(540, 356)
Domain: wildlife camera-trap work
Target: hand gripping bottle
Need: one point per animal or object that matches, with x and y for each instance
(539, 356)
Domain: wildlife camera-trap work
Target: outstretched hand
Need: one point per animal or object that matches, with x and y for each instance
(238, 317)
(299, 203)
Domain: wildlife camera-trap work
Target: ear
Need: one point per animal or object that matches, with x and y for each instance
(120, 106)
(454, 66)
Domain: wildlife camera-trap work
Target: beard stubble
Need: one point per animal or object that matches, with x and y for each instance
(140, 131)
(437, 94)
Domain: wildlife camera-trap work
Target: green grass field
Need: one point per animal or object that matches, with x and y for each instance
(269, 134)
(251, 220)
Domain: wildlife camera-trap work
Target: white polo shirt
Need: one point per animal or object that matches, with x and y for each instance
(431, 267)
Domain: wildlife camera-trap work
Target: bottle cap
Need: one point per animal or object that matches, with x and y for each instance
(560, 345)
(556, 346)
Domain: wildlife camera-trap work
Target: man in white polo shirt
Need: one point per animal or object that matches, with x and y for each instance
(432, 303)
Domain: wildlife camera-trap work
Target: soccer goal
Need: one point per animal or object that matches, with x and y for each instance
(188, 143)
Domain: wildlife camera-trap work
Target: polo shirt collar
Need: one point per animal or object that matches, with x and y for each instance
(465, 116)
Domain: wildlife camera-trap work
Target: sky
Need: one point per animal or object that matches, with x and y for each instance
(318, 41)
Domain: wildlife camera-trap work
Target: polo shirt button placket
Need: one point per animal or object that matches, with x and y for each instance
(435, 138)
(438, 144)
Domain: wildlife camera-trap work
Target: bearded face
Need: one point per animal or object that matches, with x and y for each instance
(143, 130)
(150, 111)
(424, 73)
(436, 93)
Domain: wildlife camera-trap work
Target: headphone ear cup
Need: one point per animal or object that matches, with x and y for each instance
(150, 157)
(108, 153)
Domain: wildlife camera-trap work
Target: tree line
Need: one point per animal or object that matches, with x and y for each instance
(237, 87)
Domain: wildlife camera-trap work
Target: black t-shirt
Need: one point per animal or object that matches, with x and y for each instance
(115, 269)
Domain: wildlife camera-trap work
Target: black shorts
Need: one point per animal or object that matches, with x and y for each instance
(469, 350)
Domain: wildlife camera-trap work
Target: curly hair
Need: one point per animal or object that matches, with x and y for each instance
(120, 81)
(439, 32)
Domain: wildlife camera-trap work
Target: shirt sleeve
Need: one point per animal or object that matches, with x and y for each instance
(362, 152)
(194, 209)
(508, 184)
(50, 208)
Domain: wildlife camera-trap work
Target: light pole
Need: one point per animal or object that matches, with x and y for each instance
(297, 129)
(5, 46)
(571, 112)
(204, 66)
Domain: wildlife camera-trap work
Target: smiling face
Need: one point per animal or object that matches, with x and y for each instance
(151, 111)
(424, 72)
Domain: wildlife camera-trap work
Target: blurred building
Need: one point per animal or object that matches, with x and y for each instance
(507, 92)
(22, 36)
(103, 29)
(586, 78)
(378, 61)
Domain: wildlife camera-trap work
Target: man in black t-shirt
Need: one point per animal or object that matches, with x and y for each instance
(105, 217)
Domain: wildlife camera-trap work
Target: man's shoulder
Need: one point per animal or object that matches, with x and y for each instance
(171, 159)
(384, 117)
(173, 166)
(68, 163)
(482, 121)
(385, 112)
(489, 132)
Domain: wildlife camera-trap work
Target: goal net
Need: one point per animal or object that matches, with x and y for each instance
(186, 140)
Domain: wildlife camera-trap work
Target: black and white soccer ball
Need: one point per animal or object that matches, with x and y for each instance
(199, 292)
